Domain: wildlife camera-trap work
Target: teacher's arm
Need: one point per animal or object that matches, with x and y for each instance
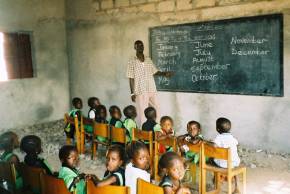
(132, 84)
(164, 73)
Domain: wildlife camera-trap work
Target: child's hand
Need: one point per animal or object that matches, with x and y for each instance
(187, 138)
(88, 177)
(95, 179)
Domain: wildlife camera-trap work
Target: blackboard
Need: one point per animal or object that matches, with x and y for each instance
(233, 56)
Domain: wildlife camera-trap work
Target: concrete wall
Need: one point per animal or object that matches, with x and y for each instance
(100, 41)
(46, 96)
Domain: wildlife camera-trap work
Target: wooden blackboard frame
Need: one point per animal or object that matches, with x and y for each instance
(278, 16)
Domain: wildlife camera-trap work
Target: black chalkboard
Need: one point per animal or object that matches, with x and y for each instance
(234, 56)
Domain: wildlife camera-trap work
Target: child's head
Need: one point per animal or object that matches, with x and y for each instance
(77, 103)
(115, 112)
(150, 113)
(130, 112)
(8, 141)
(223, 125)
(171, 164)
(93, 102)
(166, 123)
(193, 128)
(115, 157)
(31, 145)
(101, 112)
(138, 153)
(69, 156)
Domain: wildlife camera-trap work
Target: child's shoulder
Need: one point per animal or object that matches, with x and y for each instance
(226, 137)
(129, 122)
(65, 171)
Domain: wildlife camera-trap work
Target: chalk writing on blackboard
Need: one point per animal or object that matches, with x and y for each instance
(235, 56)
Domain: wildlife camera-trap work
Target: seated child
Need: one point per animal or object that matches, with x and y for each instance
(101, 117)
(192, 136)
(129, 122)
(150, 124)
(31, 145)
(116, 116)
(226, 140)
(8, 142)
(69, 128)
(93, 102)
(73, 180)
(166, 131)
(171, 169)
(101, 114)
(115, 173)
(139, 164)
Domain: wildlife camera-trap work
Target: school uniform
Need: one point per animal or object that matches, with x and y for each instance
(6, 157)
(69, 128)
(189, 155)
(91, 115)
(151, 125)
(132, 174)
(167, 182)
(162, 148)
(35, 161)
(119, 174)
(129, 124)
(68, 175)
(103, 121)
(116, 123)
(226, 140)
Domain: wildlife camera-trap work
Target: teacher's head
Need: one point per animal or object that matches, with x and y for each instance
(139, 46)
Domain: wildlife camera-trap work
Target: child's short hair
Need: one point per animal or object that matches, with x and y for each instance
(120, 150)
(166, 161)
(91, 101)
(99, 108)
(130, 111)
(113, 108)
(150, 112)
(194, 123)
(223, 125)
(31, 144)
(134, 147)
(76, 100)
(165, 118)
(65, 151)
(7, 140)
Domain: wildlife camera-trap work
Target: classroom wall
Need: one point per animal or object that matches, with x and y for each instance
(46, 96)
(100, 41)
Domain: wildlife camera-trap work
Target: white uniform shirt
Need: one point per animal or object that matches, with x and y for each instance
(131, 175)
(142, 73)
(226, 140)
(92, 114)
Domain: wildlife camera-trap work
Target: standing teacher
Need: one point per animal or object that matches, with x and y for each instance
(140, 72)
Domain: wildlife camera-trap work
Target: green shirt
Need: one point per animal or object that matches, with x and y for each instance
(157, 127)
(6, 157)
(72, 113)
(194, 157)
(68, 175)
(129, 124)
